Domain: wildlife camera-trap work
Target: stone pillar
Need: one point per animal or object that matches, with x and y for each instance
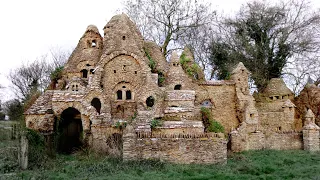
(129, 144)
(310, 133)
(23, 152)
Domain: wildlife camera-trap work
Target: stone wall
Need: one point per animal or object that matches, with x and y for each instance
(224, 105)
(284, 141)
(259, 140)
(184, 148)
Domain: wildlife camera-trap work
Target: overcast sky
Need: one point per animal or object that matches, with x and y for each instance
(29, 28)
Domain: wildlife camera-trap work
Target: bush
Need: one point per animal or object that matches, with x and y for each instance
(210, 125)
(215, 126)
(155, 123)
(37, 152)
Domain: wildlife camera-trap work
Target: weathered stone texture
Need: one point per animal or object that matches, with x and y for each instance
(207, 150)
(112, 94)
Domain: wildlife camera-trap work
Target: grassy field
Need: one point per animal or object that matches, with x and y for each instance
(266, 164)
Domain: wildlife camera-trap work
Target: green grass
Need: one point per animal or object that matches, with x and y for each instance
(266, 164)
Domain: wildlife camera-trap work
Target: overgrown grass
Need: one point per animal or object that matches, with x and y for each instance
(267, 164)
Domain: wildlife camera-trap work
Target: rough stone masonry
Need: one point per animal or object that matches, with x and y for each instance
(119, 96)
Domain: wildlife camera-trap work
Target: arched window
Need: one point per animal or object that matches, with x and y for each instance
(177, 87)
(128, 95)
(96, 104)
(84, 73)
(119, 95)
(150, 101)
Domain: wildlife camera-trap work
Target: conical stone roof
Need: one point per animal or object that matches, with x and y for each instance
(277, 87)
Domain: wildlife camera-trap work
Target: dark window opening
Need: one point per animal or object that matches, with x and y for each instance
(101, 86)
(70, 130)
(123, 86)
(123, 37)
(76, 87)
(128, 95)
(87, 64)
(279, 128)
(173, 106)
(92, 71)
(114, 71)
(135, 72)
(177, 87)
(84, 73)
(251, 115)
(119, 95)
(150, 101)
(277, 97)
(96, 104)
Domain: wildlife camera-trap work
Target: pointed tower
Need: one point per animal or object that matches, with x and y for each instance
(121, 34)
(86, 55)
(310, 132)
(240, 75)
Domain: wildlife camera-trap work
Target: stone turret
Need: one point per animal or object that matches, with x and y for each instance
(121, 34)
(87, 53)
(277, 90)
(240, 76)
(310, 132)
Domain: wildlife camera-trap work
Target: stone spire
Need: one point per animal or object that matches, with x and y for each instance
(309, 122)
(121, 34)
(87, 53)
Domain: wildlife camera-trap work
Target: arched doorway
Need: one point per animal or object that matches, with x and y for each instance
(70, 131)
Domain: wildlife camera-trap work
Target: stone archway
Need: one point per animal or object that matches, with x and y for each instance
(70, 131)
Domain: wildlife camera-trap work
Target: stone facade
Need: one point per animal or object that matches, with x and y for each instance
(116, 89)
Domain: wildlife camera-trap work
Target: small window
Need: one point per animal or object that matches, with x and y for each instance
(96, 104)
(251, 115)
(206, 103)
(123, 37)
(177, 87)
(114, 71)
(123, 86)
(93, 43)
(150, 101)
(277, 97)
(88, 65)
(279, 128)
(135, 72)
(119, 95)
(128, 95)
(91, 71)
(84, 73)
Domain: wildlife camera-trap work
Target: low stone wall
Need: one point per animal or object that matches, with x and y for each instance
(184, 148)
(256, 141)
(284, 141)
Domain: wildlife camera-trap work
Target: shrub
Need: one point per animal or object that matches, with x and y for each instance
(191, 68)
(152, 63)
(155, 123)
(56, 74)
(210, 125)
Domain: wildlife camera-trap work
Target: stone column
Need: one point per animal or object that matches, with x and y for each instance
(23, 152)
(310, 133)
(129, 144)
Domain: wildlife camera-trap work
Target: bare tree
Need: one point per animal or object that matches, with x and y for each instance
(168, 22)
(34, 77)
(270, 39)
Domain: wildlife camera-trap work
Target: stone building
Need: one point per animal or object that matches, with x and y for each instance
(116, 89)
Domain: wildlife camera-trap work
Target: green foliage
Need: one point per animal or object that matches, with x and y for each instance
(155, 123)
(210, 124)
(56, 74)
(161, 78)
(263, 36)
(120, 125)
(264, 164)
(14, 109)
(215, 126)
(152, 63)
(37, 152)
(191, 68)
